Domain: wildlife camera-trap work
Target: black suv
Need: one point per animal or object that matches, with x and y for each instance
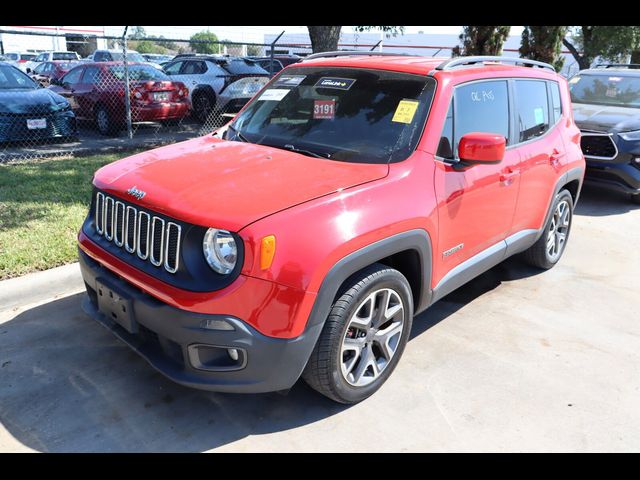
(606, 108)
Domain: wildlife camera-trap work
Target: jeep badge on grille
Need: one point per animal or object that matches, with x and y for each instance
(134, 192)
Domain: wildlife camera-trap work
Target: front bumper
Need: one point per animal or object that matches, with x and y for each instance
(179, 345)
(623, 177)
(13, 128)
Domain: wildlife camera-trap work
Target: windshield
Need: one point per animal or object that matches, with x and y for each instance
(347, 114)
(240, 66)
(131, 57)
(615, 90)
(65, 56)
(139, 72)
(11, 77)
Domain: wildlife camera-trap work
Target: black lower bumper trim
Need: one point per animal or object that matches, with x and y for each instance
(163, 334)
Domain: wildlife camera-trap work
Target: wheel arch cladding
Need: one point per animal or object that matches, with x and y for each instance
(409, 252)
(571, 181)
(204, 90)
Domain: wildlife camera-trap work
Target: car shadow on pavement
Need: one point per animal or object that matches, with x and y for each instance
(68, 385)
(513, 268)
(598, 202)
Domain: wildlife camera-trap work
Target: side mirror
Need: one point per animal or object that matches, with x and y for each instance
(477, 147)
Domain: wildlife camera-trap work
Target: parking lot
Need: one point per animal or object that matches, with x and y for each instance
(514, 360)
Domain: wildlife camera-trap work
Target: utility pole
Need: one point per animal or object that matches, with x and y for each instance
(127, 93)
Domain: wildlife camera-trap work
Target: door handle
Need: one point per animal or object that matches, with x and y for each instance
(555, 156)
(508, 175)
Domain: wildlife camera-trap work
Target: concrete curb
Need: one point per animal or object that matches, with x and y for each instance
(38, 286)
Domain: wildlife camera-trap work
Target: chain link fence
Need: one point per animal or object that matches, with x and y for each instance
(123, 98)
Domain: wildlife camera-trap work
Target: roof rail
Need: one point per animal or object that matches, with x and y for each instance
(617, 65)
(464, 61)
(348, 53)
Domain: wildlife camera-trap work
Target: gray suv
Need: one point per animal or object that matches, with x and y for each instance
(219, 84)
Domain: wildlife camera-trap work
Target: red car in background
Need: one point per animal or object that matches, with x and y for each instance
(96, 92)
(47, 71)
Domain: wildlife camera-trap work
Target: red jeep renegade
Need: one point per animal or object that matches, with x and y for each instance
(350, 194)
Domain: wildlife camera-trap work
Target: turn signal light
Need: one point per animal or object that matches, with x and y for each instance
(267, 251)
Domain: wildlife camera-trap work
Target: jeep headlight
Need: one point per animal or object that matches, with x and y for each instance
(220, 250)
(630, 136)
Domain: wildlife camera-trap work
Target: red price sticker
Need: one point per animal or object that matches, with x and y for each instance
(324, 109)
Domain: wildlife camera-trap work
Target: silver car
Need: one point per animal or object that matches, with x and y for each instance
(219, 84)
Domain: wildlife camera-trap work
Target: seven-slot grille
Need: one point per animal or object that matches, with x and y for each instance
(148, 236)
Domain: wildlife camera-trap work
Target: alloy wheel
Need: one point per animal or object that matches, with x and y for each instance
(372, 337)
(558, 231)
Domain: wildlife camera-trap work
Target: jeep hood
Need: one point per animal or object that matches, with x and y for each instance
(604, 118)
(225, 184)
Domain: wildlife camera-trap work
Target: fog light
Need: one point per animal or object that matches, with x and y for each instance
(233, 354)
(215, 324)
(636, 160)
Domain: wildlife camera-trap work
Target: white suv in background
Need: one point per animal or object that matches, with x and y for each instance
(220, 84)
(49, 57)
(115, 55)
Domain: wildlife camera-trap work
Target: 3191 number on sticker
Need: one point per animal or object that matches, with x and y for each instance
(324, 109)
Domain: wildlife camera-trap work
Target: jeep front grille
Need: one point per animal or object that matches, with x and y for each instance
(147, 235)
(599, 146)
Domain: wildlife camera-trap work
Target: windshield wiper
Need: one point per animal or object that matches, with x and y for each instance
(306, 152)
(238, 134)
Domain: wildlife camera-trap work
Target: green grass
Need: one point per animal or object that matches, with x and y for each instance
(42, 205)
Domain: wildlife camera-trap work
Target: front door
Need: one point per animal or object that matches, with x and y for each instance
(475, 204)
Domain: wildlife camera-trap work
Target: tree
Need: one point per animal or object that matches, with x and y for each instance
(616, 43)
(137, 32)
(582, 45)
(482, 40)
(254, 50)
(325, 38)
(145, 46)
(543, 43)
(204, 36)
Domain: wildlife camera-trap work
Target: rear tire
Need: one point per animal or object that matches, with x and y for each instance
(203, 106)
(364, 336)
(548, 250)
(104, 121)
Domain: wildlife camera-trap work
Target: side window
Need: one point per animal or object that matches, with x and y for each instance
(41, 57)
(445, 147)
(194, 68)
(39, 69)
(73, 76)
(533, 108)
(101, 57)
(173, 69)
(90, 75)
(556, 103)
(481, 107)
(215, 69)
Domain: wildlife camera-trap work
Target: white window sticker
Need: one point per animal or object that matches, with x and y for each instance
(615, 79)
(274, 94)
(538, 114)
(574, 80)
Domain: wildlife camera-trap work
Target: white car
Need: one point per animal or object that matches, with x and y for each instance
(49, 57)
(20, 59)
(217, 83)
(115, 55)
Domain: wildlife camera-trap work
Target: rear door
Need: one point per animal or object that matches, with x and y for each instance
(538, 113)
(89, 91)
(475, 204)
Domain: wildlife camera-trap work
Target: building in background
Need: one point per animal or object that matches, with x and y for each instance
(84, 40)
(424, 44)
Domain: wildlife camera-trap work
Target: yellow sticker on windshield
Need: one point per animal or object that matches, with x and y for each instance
(405, 111)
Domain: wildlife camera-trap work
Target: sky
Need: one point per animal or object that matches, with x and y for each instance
(256, 33)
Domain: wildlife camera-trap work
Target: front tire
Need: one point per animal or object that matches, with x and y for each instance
(363, 337)
(546, 252)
